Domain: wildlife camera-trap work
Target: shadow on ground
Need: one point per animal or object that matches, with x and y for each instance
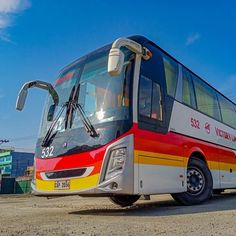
(223, 202)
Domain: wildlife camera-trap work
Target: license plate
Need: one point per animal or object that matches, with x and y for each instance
(62, 184)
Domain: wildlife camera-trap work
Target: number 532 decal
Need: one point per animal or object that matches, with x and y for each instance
(195, 123)
(47, 152)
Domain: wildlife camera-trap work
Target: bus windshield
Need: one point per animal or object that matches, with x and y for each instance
(102, 97)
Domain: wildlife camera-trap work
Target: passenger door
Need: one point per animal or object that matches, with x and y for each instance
(159, 155)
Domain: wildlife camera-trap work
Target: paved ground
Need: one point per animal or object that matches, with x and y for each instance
(26, 215)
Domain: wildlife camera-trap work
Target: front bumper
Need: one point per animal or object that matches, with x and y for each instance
(95, 183)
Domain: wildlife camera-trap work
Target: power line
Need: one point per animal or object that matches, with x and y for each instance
(21, 138)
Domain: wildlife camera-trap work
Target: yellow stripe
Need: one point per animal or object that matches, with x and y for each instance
(213, 165)
(75, 184)
(227, 166)
(159, 155)
(153, 158)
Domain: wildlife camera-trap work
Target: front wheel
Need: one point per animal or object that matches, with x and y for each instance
(199, 184)
(124, 200)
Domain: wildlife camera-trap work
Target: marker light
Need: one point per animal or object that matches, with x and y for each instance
(147, 54)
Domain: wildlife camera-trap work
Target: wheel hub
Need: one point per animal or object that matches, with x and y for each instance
(195, 181)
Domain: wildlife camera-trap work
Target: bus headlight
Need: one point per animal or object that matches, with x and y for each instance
(117, 162)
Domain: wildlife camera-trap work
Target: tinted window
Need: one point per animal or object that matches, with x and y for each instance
(145, 98)
(206, 99)
(171, 75)
(227, 111)
(150, 104)
(188, 93)
(156, 102)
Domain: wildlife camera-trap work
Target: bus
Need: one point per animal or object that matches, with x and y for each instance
(128, 120)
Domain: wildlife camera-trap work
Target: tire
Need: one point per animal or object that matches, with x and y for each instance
(124, 200)
(199, 184)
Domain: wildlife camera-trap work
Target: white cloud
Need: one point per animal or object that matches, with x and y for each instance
(8, 10)
(192, 38)
(5, 37)
(4, 21)
(13, 6)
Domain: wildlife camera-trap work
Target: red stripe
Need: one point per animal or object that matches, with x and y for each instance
(93, 158)
(180, 145)
(170, 143)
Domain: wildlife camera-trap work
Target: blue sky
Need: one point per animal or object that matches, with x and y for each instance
(38, 38)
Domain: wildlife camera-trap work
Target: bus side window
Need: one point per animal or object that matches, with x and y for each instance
(150, 104)
(188, 97)
(228, 111)
(156, 102)
(171, 75)
(206, 98)
(144, 97)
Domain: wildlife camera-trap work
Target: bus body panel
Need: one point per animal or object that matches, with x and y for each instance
(213, 139)
(162, 166)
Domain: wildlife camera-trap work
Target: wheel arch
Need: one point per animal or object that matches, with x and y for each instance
(190, 197)
(197, 153)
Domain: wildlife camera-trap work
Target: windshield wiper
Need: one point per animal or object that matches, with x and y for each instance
(84, 118)
(50, 135)
(70, 106)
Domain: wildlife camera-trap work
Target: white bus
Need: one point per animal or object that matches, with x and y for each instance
(129, 120)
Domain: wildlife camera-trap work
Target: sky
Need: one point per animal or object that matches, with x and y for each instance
(38, 38)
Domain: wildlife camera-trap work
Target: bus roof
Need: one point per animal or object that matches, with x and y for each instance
(141, 40)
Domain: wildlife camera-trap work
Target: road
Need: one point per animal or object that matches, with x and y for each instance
(27, 215)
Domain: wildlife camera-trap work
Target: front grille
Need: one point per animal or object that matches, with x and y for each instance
(66, 173)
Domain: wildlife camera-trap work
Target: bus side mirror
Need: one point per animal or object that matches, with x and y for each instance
(115, 61)
(21, 99)
(51, 112)
(38, 84)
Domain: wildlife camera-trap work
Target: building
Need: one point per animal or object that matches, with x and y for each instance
(14, 163)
